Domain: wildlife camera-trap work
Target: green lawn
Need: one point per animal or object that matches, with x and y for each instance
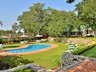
(90, 53)
(50, 59)
(12, 46)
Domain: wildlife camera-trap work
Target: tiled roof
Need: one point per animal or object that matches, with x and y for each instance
(87, 66)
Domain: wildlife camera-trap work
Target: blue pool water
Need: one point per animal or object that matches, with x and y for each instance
(30, 48)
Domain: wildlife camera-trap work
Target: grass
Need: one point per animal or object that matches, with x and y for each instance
(90, 53)
(12, 46)
(50, 59)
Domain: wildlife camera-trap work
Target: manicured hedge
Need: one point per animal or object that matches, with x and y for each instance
(83, 49)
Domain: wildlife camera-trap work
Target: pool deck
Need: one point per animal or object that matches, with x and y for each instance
(2, 53)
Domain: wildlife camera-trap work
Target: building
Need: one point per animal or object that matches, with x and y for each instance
(83, 31)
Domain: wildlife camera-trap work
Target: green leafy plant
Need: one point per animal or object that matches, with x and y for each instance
(83, 49)
(14, 61)
(24, 70)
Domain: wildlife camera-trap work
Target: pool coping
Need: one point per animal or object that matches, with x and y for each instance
(2, 53)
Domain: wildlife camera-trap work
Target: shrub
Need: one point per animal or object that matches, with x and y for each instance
(1, 40)
(17, 39)
(83, 49)
(58, 39)
(13, 61)
(62, 39)
(24, 70)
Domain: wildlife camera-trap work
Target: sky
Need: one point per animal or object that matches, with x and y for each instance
(11, 9)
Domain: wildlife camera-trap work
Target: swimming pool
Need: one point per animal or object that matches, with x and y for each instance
(30, 48)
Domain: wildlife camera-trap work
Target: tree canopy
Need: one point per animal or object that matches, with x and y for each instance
(1, 23)
(87, 13)
(46, 21)
(34, 19)
(70, 1)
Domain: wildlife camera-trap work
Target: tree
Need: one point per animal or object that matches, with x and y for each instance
(16, 27)
(33, 20)
(1, 23)
(57, 23)
(87, 12)
(46, 21)
(70, 1)
(74, 22)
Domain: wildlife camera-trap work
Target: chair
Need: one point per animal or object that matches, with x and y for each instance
(1, 45)
(72, 47)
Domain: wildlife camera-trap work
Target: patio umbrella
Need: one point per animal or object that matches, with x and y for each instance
(24, 36)
(38, 38)
(38, 35)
